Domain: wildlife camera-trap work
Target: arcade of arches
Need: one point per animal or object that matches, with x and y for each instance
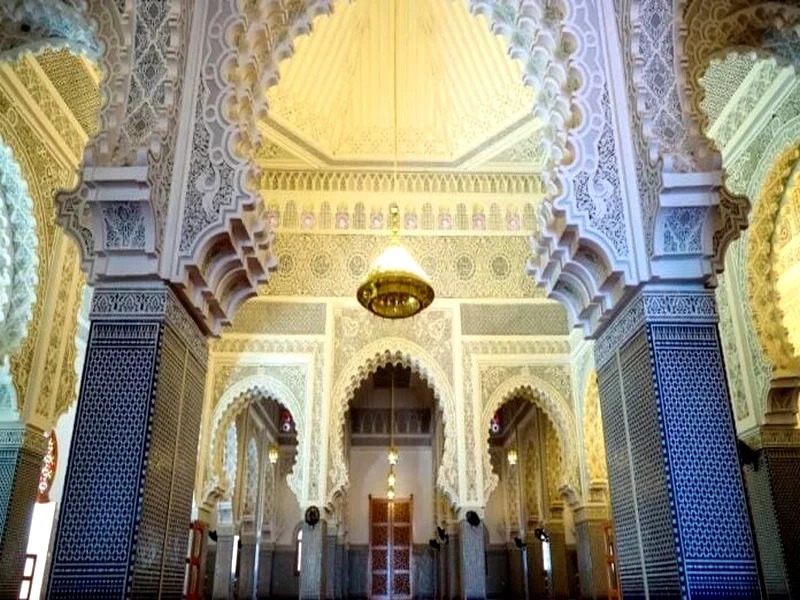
(600, 402)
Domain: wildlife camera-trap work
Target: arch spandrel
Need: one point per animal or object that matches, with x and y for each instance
(366, 360)
(555, 406)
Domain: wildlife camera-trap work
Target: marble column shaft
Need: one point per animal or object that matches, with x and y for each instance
(678, 500)
(537, 577)
(122, 528)
(265, 569)
(223, 565)
(248, 569)
(558, 560)
(473, 560)
(592, 566)
(313, 567)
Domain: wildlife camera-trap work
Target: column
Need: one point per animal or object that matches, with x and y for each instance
(265, 569)
(678, 502)
(516, 570)
(223, 565)
(22, 449)
(771, 476)
(473, 560)
(592, 569)
(248, 569)
(122, 528)
(313, 582)
(558, 555)
(537, 578)
(453, 561)
(330, 564)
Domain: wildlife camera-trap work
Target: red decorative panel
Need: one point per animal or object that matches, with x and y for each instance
(380, 535)
(379, 561)
(380, 511)
(402, 559)
(402, 535)
(402, 512)
(401, 585)
(379, 585)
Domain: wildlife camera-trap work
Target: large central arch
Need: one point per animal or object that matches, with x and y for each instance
(383, 352)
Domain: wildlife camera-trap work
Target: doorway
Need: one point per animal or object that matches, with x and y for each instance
(390, 553)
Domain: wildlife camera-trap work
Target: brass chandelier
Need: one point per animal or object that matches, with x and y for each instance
(395, 287)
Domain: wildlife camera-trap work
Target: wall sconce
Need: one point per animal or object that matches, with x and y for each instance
(272, 454)
(511, 455)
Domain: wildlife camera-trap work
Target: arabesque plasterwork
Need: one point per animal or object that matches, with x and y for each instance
(762, 289)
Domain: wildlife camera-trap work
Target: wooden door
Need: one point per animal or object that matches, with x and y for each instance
(390, 548)
(194, 567)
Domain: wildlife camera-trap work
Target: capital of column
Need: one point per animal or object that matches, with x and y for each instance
(119, 301)
(654, 303)
(16, 435)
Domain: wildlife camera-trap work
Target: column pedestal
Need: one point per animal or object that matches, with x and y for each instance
(21, 452)
(122, 527)
(313, 571)
(679, 507)
(473, 560)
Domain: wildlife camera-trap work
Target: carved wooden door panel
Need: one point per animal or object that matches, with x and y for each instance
(390, 548)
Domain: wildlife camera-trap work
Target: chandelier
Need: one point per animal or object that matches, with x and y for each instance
(395, 287)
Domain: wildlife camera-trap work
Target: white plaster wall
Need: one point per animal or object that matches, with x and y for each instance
(495, 514)
(63, 429)
(288, 513)
(368, 471)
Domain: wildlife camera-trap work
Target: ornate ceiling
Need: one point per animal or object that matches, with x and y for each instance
(461, 101)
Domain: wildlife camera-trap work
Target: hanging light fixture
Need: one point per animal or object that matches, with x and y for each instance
(391, 479)
(511, 455)
(395, 287)
(272, 454)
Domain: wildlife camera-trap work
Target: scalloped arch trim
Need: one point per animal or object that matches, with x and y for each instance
(52, 26)
(552, 402)
(761, 277)
(370, 358)
(234, 400)
(18, 254)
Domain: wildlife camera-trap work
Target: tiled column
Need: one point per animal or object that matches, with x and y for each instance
(679, 508)
(122, 528)
(21, 451)
(313, 572)
(516, 570)
(590, 534)
(223, 565)
(558, 557)
(473, 560)
(772, 477)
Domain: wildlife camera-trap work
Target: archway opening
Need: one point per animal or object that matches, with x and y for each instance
(259, 453)
(393, 527)
(529, 522)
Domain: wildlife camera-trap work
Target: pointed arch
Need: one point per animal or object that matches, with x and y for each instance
(233, 401)
(556, 408)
